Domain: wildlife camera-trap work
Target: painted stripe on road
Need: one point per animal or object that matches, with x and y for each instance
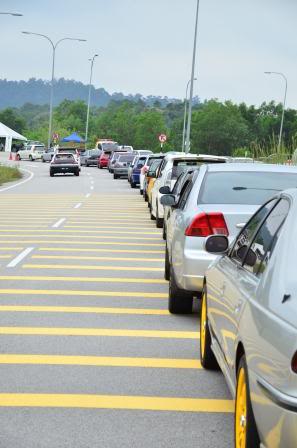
(20, 257)
(103, 237)
(101, 361)
(93, 243)
(66, 292)
(75, 232)
(112, 251)
(73, 257)
(82, 267)
(82, 310)
(109, 332)
(55, 226)
(78, 205)
(202, 405)
(83, 279)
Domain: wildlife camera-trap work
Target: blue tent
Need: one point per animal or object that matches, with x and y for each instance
(73, 138)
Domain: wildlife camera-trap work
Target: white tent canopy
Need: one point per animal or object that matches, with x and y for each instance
(9, 135)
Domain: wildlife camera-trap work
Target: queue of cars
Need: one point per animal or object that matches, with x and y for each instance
(236, 255)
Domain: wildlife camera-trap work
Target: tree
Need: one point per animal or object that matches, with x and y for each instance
(218, 128)
(149, 124)
(12, 119)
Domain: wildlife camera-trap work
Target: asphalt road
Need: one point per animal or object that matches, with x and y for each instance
(89, 355)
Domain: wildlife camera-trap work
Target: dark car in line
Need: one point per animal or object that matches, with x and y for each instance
(121, 165)
(64, 163)
(92, 157)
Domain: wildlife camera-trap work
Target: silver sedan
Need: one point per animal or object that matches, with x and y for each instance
(219, 198)
(249, 323)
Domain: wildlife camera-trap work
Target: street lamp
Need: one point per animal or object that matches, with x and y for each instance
(284, 106)
(185, 114)
(54, 46)
(15, 14)
(187, 143)
(89, 99)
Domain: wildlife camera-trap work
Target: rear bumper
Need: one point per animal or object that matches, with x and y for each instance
(121, 171)
(135, 178)
(64, 169)
(103, 163)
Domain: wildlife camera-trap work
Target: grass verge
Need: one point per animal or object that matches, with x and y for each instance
(8, 174)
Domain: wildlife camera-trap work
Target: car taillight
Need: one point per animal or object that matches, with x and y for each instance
(294, 363)
(206, 224)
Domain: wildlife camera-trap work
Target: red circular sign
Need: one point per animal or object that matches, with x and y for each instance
(162, 138)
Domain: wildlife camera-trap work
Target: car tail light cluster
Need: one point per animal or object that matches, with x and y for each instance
(206, 224)
(294, 363)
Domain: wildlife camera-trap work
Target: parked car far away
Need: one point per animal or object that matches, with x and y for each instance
(64, 163)
(248, 315)
(31, 152)
(121, 165)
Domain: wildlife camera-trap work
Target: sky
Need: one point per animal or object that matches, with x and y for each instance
(146, 46)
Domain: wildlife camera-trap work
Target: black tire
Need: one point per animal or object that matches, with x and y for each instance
(43, 161)
(101, 167)
(31, 158)
(164, 232)
(133, 184)
(180, 301)
(159, 221)
(141, 192)
(52, 173)
(76, 173)
(152, 216)
(207, 357)
(115, 176)
(167, 265)
(145, 196)
(251, 432)
(18, 157)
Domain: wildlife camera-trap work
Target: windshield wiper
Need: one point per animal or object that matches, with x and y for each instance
(255, 188)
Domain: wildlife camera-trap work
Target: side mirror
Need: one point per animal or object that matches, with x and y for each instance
(151, 174)
(168, 199)
(249, 255)
(216, 244)
(165, 190)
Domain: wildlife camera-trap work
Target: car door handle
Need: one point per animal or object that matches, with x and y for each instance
(240, 225)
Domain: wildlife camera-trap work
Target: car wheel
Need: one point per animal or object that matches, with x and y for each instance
(180, 301)
(207, 357)
(51, 174)
(77, 173)
(159, 221)
(115, 176)
(164, 232)
(145, 197)
(245, 428)
(101, 167)
(167, 265)
(152, 216)
(43, 161)
(18, 157)
(141, 192)
(133, 184)
(31, 158)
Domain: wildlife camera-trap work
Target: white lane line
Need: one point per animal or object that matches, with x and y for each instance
(58, 223)
(89, 174)
(88, 195)
(19, 183)
(20, 257)
(78, 205)
(92, 187)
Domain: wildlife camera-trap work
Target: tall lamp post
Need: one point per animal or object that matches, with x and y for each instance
(284, 106)
(185, 114)
(54, 47)
(89, 98)
(187, 143)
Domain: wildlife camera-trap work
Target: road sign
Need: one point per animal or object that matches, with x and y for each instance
(162, 138)
(56, 136)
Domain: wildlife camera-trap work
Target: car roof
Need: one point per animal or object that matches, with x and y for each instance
(256, 167)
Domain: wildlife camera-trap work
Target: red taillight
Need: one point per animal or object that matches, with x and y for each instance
(206, 224)
(294, 363)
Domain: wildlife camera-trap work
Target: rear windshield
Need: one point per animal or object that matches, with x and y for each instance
(182, 165)
(66, 157)
(153, 159)
(244, 187)
(109, 146)
(126, 158)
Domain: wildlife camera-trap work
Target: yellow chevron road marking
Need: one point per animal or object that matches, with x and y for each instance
(82, 310)
(117, 402)
(93, 243)
(91, 267)
(83, 279)
(112, 251)
(109, 332)
(66, 292)
(55, 234)
(73, 257)
(101, 361)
